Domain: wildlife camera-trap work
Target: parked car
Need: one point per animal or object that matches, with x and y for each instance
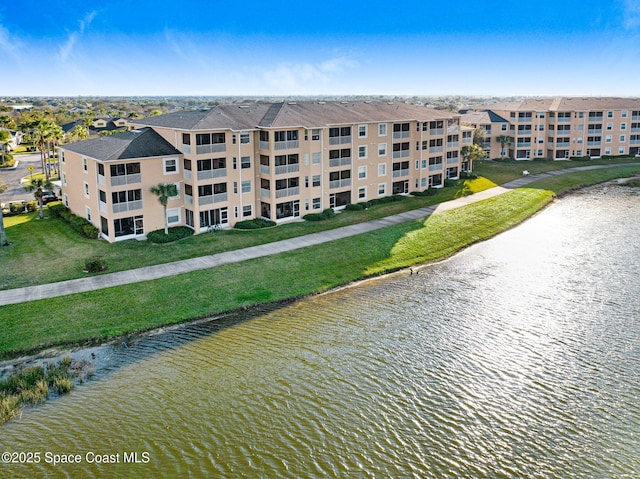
(48, 197)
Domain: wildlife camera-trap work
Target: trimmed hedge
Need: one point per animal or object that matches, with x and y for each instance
(175, 233)
(325, 215)
(255, 224)
(95, 265)
(79, 224)
(427, 192)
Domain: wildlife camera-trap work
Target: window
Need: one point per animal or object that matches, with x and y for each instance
(246, 186)
(245, 162)
(315, 134)
(623, 126)
(128, 226)
(246, 211)
(86, 189)
(85, 167)
(186, 139)
(609, 126)
(315, 180)
(607, 139)
(315, 203)
(245, 137)
(609, 114)
(64, 179)
(362, 193)
(362, 151)
(362, 131)
(173, 216)
(315, 158)
(623, 138)
(382, 189)
(382, 169)
(87, 213)
(621, 150)
(382, 129)
(607, 151)
(382, 149)
(170, 165)
(503, 127)
(362, 172)
(623, 114)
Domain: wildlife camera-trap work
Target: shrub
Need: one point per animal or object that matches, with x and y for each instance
(354, 207)
(90, 231)
(254, 224)
(580, 158)
(95, 265)
(81, 226)
(427, 192)
(325, 215)
(175, 233)
(449, 182)
(468, 175)
(56, 210)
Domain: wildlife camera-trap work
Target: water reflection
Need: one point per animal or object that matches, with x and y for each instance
(517, 358)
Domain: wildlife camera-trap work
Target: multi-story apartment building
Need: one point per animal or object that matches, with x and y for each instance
(277, 161)
(561, 128)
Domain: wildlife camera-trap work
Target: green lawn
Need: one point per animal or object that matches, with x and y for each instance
(100, 315)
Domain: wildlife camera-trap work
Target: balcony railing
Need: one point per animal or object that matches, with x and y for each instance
(453, 128)
(213, 148)
(125, 179)
(210, 199)
(287, 145)
(467, 141)
(595, 118)
(524, 132)
(453, 144)
(264, 169)
(635, 130)
(127, 206)
(264, 193)
(400, 154)
(524, 119)
(401, 134)
(283, 193)
(564, 119)
(634, 142)
(188, 199)
(594, 143)
(400, 173)
(594, 131)
(187, 174)
(635, 117)
(435, 149)
(103, 207)
(264, 145)
(436, 131)
(562, 144)
(340, 140)
(284, 169)
(435, 167)
(523, 144)
(340, 183)
(452, 161)
(186, 149)
(102, 182)
(339, 162)
(209, 174)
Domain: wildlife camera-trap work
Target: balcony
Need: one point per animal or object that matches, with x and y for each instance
(339, 162)
(264, 193)
(285, 169)
(288, 192)
(264, 169)
(562, 144)
(187, 174)
(287, 145)
(340, 183)
(340, 140)
(635, 117)
(400, 154)
(452, 161)
(102, 182)
(595, 118)
(467, 141)
(188, 199)
(524, 119)
(400, 173)
(522, 144)
(127, 206)
(103, 207)
(208, 200)
(436, 131)
(635, 130)
(397, 135)
(264, 145)
(453, 144)
(634, 142)
(524, 132)
(435, 149)
(563, 119)
(594, 131)
(435, 167)
(126, 179)
(453, 128)
(214, 148)
(594, 143)
(209, 174)
(186, 149)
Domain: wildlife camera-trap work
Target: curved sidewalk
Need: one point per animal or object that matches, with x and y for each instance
(62, 288)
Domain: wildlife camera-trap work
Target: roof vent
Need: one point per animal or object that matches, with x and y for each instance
(322, 103)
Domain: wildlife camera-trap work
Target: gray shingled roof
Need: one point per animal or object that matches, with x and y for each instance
(292, 114)
(143, 143)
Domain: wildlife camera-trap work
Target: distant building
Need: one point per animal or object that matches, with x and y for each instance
(277, 161)
(560, 128)
(98, 125)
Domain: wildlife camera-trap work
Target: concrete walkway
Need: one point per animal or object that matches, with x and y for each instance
(62, 288)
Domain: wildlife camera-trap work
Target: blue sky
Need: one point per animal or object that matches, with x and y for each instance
(191, 47)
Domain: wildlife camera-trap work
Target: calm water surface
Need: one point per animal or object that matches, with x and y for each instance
(518, 358)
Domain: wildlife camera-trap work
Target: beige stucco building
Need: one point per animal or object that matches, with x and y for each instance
(277, 161)
(560, 128)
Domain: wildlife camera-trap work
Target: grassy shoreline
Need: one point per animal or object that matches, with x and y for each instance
(100, 316)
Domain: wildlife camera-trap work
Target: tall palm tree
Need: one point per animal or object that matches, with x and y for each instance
(5, 138)
(37, 185)
(164, 191)
(504, 140)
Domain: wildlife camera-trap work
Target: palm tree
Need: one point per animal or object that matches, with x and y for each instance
(37, 185)
(81, 132)
(5, 138)
(7, 122)
(164, 191)
(504, 140)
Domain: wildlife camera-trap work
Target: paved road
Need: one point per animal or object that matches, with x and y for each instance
(21, 295)
(12, 177)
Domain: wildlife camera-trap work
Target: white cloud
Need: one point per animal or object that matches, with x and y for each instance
(300, 78)
(67, 48)
(9, 46)
(631, 12)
